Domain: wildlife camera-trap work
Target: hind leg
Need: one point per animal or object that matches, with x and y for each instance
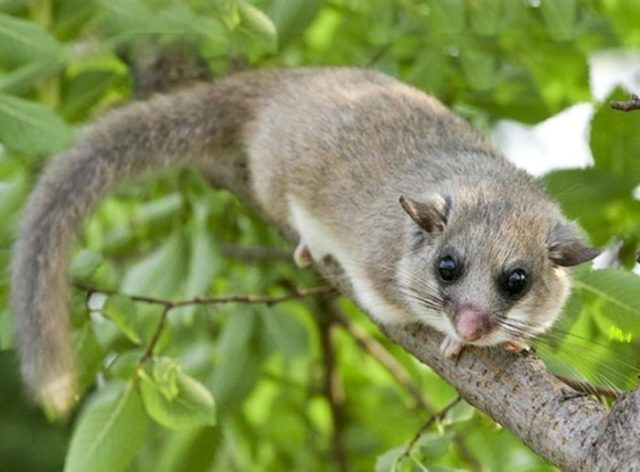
(302, 255)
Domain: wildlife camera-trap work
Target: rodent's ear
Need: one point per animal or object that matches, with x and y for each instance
(566, 247)
(431, 215)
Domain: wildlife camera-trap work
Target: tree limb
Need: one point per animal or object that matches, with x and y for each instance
(575, 433)
(629, 105)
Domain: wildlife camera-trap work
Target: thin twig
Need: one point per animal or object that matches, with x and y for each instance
(241, 298)
(379, 54)
(588, 388)
(256, 252)
(376, 350)
(156, 336)
(381, 354)
(432, 419)
(332, 387)
(629, 105)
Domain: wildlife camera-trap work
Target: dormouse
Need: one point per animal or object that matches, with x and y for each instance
(427, 220)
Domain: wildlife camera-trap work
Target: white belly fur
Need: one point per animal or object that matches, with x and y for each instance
(321, 242)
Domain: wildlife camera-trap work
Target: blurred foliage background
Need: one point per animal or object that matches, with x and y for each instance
(307, 384)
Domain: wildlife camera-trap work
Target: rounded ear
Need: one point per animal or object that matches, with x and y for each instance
(566, 247)
(430, 215)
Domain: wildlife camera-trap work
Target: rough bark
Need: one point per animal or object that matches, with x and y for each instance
(570, 430)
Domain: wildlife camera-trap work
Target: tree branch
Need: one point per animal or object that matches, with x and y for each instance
(295, 294)
(148, 352)
(629, 105)
(256, 252)
(332, 388)
(516, 390)
(589, 389)
(438, 416)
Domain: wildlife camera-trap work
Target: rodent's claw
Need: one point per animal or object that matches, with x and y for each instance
(302, 256)
(515, 346)
(451, 348)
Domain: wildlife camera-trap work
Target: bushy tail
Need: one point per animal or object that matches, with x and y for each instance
(167, 131)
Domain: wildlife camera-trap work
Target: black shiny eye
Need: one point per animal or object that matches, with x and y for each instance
(448, 269)
(515, 282)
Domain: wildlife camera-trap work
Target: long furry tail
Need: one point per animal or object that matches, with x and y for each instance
(168, 131)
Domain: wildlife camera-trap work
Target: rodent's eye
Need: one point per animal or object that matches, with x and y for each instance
(515, 282)
(448, 269)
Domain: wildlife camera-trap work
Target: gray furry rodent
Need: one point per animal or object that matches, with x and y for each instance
(475, 248)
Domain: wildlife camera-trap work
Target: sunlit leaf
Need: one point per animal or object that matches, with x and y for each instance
(109, 431)
(84, 264)
(31, 128)
(618, 289)
(173, 398)
(22, 41)
(560, 18)
(88, 355)
(257, 26)
(122, 310)
(291, 17)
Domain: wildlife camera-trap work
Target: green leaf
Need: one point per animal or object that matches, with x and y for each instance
(31, 128)
(6, 330)
(560, 72)
(84, 264)
(560, 18)
(579, 191)
(126, 365)
(614, 138)
(239, 360)
(619, 290)
(205, 260)
(71, 16)
(121, 310)
(84, 90)
(22, 41)
(26, 76)
(624, 16)
(159, 211)
(109, 432)
(88, 355)
(286, 333)
(162, 272)
(429, 71)
(190, 450)
(389, 460)
(257, 27)
(228, 12)
(174, 399)
(486, 16)
(479, 68)
(12, 194)
(127, 17)
(448, 17)
(433, 445)
(291, 17)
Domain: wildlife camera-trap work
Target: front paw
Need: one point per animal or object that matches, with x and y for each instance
(515, 346)
(451, 348)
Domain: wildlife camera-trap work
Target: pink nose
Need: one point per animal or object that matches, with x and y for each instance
(470, 322)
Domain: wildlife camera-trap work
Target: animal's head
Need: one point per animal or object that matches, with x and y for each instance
(488, 265)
